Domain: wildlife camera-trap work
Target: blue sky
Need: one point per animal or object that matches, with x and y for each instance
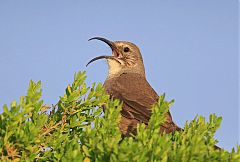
(190, 51)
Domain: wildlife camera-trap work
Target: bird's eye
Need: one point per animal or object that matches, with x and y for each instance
(126, 49)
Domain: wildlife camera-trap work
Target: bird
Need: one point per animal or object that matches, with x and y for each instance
(127, 82)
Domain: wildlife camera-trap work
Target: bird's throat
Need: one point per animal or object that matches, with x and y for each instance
(114, 68)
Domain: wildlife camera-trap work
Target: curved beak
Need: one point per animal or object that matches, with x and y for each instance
(98, 58)
(108, 42)
(111, 45)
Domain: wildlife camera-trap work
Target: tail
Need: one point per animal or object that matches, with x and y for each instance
(173, 128)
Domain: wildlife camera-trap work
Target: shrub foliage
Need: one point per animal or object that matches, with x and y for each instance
(76, 129)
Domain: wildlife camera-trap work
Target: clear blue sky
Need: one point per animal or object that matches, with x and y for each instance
(190, 51)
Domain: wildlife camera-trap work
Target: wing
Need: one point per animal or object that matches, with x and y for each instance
(136, 94)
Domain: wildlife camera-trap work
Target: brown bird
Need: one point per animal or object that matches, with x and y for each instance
(127, 82)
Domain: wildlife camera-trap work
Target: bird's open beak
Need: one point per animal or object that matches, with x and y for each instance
(111, 45)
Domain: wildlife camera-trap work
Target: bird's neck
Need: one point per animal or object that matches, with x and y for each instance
(115, 69)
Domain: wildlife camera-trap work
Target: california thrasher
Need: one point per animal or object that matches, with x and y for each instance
(127, 82)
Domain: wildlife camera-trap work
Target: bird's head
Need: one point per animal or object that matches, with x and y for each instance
(126, 58)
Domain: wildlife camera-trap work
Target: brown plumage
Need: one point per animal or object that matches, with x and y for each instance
(138, 97)
(127, 82)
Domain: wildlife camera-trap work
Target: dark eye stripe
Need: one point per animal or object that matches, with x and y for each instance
(126, 49)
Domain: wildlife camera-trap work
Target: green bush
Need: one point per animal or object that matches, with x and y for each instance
(75, 129)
